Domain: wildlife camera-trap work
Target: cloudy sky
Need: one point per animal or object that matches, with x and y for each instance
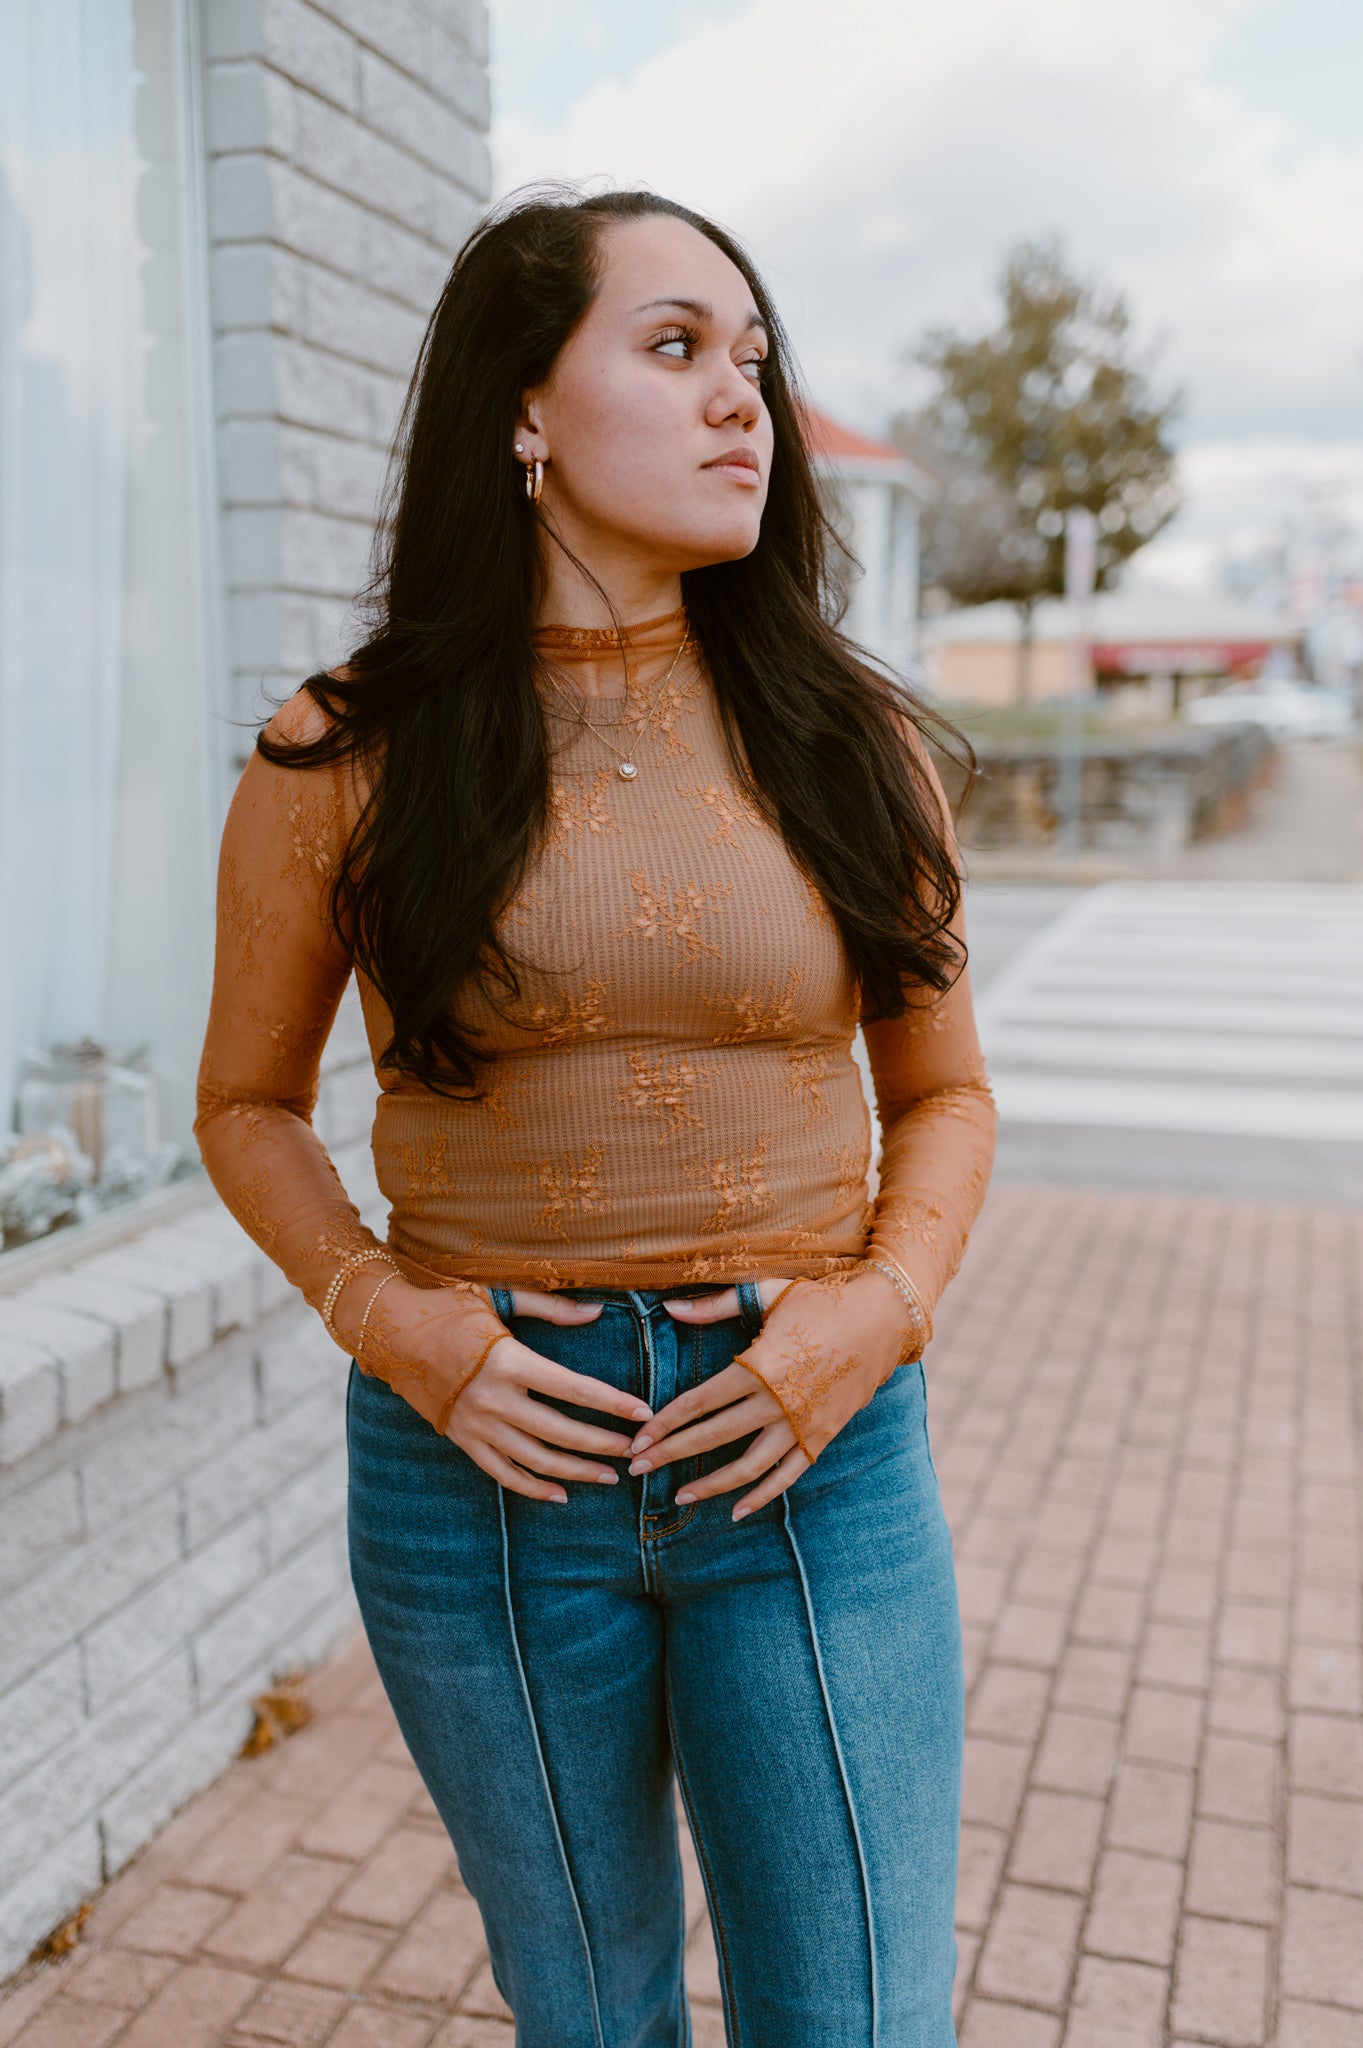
(878, 156)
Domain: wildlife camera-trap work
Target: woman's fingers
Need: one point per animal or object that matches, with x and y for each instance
(546, 1377)
(537, 1456)
(783, 1475)
(537, 1419)
(553, 1308)
(704, 1308)
(713, 1308)
(510, 1476)
(741, 1418)
(734, 1383)
(762, 1453)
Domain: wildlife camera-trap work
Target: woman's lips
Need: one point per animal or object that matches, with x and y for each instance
(741, 472)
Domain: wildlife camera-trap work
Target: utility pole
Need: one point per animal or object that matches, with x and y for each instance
(1081, 565)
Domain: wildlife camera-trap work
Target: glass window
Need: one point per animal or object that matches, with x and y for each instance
(107, 626)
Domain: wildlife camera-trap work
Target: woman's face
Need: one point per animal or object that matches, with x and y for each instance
(649, 398)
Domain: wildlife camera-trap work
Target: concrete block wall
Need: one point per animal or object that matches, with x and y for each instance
(172, 1481)
(348, 159)
(172, 1496)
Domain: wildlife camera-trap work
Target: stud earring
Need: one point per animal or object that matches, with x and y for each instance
(520, 447)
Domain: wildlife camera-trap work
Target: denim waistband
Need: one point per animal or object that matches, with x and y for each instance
(647, 1300)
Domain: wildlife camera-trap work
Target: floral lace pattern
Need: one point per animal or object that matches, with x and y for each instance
(672, 1097)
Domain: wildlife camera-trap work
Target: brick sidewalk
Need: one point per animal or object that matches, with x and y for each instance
(1145, 1415)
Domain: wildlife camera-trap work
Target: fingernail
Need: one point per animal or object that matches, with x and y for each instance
(738, 1512)
(686, 1499)
(609, 1478)
(641, 1414)
(684, 1302)
(561, 1498)
(642, 1443)
(641, 1465)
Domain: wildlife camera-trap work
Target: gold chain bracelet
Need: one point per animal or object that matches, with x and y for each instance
(364, 1319)
(349, 1265)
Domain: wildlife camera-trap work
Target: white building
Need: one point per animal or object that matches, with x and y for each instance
(222, 226)
(876, 495)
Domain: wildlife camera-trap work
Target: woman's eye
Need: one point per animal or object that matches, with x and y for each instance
(678, 341)
(758, 363)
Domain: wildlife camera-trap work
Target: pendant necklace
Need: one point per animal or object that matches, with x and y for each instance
(627, 768)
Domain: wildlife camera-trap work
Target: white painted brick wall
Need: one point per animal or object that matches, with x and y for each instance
(172, 1465)
(348, 160)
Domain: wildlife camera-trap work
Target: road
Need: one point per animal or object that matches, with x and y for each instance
(1187, 1037)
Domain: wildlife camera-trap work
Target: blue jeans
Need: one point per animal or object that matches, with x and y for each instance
(550, 1666)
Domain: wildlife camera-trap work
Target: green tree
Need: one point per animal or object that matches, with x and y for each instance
(1054, 407)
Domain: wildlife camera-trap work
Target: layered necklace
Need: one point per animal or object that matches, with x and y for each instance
(628, 768)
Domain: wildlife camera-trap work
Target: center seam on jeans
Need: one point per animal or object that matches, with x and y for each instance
(842, 1765)
(544, 1772)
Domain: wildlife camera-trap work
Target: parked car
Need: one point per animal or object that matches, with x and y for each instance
(1288, 710)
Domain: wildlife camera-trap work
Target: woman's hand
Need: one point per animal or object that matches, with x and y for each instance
(513, 1437)
(450, 1356)
(824, 1347)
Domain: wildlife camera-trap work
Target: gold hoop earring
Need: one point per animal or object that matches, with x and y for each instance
(534, 480)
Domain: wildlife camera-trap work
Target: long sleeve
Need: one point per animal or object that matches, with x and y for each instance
(822, 1357)
(279, 974)
(938, 1127)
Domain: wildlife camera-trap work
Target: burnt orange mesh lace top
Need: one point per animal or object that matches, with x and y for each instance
(674, 1098)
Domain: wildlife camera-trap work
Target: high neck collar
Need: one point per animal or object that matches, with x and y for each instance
(600, 645)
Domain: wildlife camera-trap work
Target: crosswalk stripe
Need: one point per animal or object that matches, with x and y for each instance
(1223, 1008)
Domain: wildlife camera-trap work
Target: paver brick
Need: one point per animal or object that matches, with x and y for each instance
(1163, 1727)
(993, 1779)
(398, 1878)
(1008, 2026)
(271, 1920)
(1134, 1915)
(436, 1959)
(382, 2026)
(1151, 1809)
(1117, 2005)
(1326, 1753)
(1094, 1680)
(1009, 1702)
(65, 2025)
(298, 2015)
(173, 1921)
(1028, 1953)
(1316, 2026)
(192, 2009)
(980, 1866)
(1238, 1780)
(1057, 1840)
(1221, 1983)
(1078, 1753)
(341, 1957)
(1233, 1872)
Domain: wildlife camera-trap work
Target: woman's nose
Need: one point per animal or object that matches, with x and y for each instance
(737, 398)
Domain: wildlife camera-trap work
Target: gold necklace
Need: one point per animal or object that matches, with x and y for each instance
(627, 768)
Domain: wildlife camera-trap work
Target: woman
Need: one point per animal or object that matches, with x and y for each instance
(623, 839)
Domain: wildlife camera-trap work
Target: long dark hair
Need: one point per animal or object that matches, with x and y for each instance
(439, 704)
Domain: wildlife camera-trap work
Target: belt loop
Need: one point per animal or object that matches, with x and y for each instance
(503, 1301)
(749, 1306)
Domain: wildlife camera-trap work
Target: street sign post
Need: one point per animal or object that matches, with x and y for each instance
(1081, 571)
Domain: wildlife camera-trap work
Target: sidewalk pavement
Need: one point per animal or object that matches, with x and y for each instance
(1145, 1412)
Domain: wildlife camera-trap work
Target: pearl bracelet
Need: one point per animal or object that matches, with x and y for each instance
(921, 1333)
